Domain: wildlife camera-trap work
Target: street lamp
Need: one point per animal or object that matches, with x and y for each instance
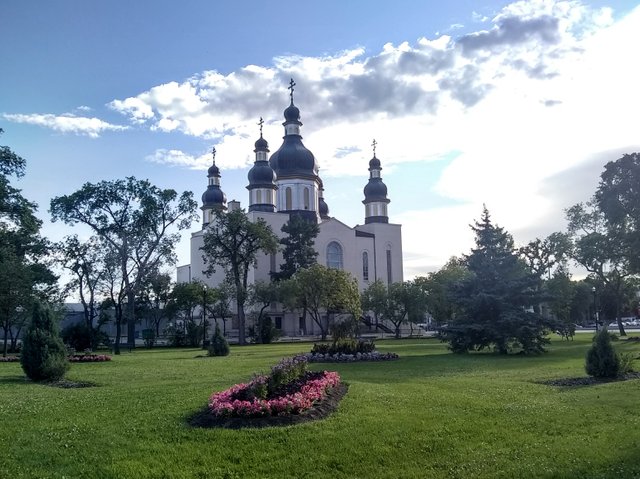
(595, 311)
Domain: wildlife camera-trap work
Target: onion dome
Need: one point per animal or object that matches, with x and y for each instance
(293, 160)
(262, 178)
(375, 193)
(323, 208)
(213, 197)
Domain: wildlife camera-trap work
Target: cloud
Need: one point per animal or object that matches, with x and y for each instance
(66, 123)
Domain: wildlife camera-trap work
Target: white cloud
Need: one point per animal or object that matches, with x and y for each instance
(66, 123)
(540, 90)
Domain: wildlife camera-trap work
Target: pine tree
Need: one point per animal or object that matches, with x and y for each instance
(602, 360)
(219, 345)
(495, 300)
(44, 357)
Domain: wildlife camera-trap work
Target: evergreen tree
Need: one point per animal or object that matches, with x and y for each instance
(44, 357)
(496, 299)
(602, 360)
(219, 345)
(298, 252)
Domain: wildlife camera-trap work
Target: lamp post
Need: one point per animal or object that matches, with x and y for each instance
(595, 311)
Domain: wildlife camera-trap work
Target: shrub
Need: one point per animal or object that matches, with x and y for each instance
(44, 357)
(219, 345)
(81, 337)
(149, 336)
(345, 346)
(602, 360)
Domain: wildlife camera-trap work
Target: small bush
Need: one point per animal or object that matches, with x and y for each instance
(219, 345)
(81, 337)
(626, 363)
(345, 346)
(149, 336)
(44, 357)
(602, 360)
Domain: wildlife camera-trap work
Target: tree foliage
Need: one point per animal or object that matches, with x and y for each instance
(135, 219)
(298, 246)
(602, 360)
(233, 242)
(323, 292)
(44, 357)
(496, 299)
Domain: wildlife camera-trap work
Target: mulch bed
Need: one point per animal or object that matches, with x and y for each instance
(587, 381)
(68, 384)
(323, 409)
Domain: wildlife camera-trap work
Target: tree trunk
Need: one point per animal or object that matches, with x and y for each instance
(131, 320)
(4, 349)
(116, 345)
(241, 336)
(397, 330)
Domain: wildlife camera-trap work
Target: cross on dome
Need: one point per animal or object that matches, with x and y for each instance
(213, 154)
(260, 123)
(291, 85)
(374, 147)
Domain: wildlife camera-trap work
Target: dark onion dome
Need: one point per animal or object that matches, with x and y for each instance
(213, 196)
(213, 171)
(374, 164)
(323, 208)
(293, 159)
(261, 175)
(292, 113)
(375, 190)
(261, 145)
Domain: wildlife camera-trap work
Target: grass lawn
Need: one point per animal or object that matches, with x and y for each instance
(429, 414)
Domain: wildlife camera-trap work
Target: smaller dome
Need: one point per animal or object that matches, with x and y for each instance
(261, 174)
(213, 196)
(323, 208)
(213, 171)
(262, 144)
(374, 164)
(375, 190)
(292, 113)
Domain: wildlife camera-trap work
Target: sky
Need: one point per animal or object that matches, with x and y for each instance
(516, 106)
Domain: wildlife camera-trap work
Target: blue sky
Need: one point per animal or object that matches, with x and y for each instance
(516, 105)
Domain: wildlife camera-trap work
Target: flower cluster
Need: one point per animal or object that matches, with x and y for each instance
(350, 358)
(225, 403)
(9, 359)
(88, 358)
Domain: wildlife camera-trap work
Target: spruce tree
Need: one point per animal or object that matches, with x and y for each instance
(496, 299)
(602, 360)
(44, 357)
(219, 345)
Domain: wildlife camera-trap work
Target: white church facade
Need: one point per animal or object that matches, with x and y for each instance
(287, 183)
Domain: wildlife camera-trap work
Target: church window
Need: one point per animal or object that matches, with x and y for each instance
(287, 198)
(306, 198)
(365, 266)
(258, 197)
(334, 255)
(272, 263)
(389, 277)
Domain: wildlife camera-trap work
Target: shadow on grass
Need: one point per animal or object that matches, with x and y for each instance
(62, 383)
(14, 380)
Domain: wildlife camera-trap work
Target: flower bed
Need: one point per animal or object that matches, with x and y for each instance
(88, 358)
(350, 358)
(289, 389)
(10, 359)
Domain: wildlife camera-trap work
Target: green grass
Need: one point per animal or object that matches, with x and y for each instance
(429, 414)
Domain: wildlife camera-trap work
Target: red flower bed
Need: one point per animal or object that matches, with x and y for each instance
(89, 358)
(310, 389)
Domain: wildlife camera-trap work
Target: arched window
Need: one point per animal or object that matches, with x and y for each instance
(287, 198)
(306, 198)
(365, 266)
(389, 265)
(258, 197)
(334, 255)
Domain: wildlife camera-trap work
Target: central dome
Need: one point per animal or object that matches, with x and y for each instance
(293, 159)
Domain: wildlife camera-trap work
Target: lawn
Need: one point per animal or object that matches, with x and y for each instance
(428, 414)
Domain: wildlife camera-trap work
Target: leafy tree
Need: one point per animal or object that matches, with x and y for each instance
(24, 272)
(221, 308)
(405, 301)
(44, 357)
(374, 299)
(86, 262)
(261, 296)
(496, 298)
(561, 291)
(322, 292)
(438, 286)
(135, 219)
(112, 288)
(542, 255)
(182, 304)
(599, 251)
(233, 242)
(154, 299)
(298, 242)
(618, 198)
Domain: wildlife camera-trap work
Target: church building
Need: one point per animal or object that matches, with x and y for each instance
(288, 183)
